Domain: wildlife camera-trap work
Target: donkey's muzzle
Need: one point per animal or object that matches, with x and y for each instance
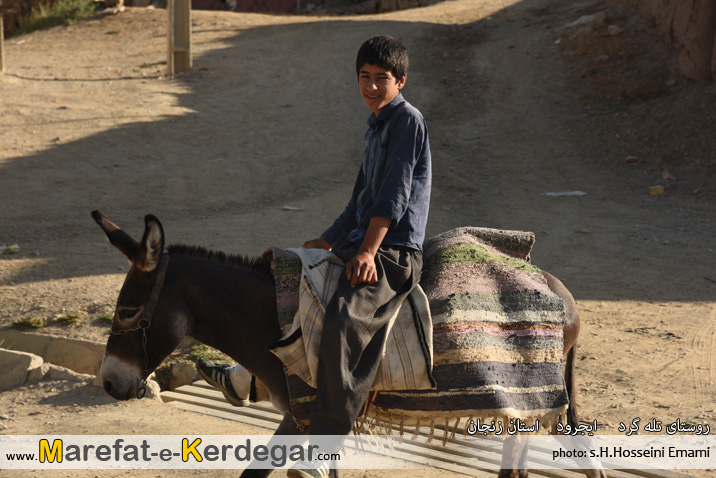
(116, 393)
(119, 379)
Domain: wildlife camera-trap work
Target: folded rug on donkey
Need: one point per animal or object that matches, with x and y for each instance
(497, 333)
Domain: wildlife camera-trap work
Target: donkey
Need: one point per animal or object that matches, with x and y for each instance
(229, 303)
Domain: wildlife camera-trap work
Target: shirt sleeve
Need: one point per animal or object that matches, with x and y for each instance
(405, 146)
(347, 221)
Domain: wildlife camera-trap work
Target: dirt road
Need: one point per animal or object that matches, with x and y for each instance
(517, 104)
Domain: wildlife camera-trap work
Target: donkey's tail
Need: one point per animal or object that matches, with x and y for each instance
(572, 417)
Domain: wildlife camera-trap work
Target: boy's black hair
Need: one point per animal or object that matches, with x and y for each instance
(386, 52)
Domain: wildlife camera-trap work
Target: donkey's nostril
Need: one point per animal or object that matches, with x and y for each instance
(107, 386)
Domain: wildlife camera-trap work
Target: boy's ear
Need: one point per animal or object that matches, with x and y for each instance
(401, 81)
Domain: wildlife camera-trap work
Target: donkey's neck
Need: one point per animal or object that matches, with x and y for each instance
(231, 307)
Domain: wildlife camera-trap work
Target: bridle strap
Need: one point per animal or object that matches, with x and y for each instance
(145, 321)
(157, 289)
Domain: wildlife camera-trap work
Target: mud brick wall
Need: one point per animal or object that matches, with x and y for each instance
(690, 25)
(391, 5)
(273, 6)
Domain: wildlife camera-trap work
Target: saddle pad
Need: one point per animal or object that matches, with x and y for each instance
(497, 328)
(407, 355)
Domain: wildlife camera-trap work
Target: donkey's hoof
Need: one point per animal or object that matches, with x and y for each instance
(513, 474)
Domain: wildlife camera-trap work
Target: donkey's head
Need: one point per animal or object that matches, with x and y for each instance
(145, 329)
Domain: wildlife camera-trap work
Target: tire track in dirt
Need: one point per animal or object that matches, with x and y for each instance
(703, 360)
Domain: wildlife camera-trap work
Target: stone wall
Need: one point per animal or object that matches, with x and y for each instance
(16, 13)
(690, 25)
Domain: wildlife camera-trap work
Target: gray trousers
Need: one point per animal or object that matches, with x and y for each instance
(354, 331)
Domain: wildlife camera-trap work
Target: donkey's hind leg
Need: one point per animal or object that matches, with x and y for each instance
(571, 334)
(514, 457)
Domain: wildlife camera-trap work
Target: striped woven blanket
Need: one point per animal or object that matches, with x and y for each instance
(497, 333)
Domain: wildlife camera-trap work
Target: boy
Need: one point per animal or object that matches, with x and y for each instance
(379, 235)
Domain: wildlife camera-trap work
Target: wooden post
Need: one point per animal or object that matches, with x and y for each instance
(179, 58)
(2, 47)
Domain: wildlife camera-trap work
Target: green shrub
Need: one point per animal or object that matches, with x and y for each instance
(68, 319)
(105, 319)
(204, 351)
(61, 12)
(28, 323)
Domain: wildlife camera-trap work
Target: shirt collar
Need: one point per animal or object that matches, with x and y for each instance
(387, 111)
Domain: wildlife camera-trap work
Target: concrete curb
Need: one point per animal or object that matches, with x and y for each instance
(26, 357)
(18, 368)
(82, 356)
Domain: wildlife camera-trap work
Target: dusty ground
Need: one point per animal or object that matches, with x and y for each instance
(517, 105)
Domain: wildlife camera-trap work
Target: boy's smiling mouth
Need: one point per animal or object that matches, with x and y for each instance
(378, 86)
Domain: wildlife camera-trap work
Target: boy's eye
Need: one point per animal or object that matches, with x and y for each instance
(377, 80)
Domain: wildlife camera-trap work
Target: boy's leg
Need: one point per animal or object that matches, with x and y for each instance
(234, 382)
(354, 332)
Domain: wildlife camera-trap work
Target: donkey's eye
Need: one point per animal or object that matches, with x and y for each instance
(125, 313)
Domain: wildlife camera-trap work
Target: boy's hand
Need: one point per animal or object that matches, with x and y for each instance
(318, 243)
(361, 269)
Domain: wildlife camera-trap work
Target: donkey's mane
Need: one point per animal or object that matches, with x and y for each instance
(260, 264)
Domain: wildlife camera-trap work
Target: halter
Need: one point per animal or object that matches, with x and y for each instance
(146, 320)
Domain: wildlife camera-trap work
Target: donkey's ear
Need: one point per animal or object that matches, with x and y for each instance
(119, 239)
(152, 246)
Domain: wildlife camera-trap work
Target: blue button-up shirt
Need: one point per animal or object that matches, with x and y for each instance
(394, 180)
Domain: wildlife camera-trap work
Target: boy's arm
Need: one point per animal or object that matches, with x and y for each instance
(407, 143)
(347, 220)
(361, 269)
(317, 243)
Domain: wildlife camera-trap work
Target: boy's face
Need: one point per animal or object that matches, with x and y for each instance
(378, 86)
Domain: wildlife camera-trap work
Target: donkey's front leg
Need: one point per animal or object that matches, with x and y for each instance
(286, 427)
